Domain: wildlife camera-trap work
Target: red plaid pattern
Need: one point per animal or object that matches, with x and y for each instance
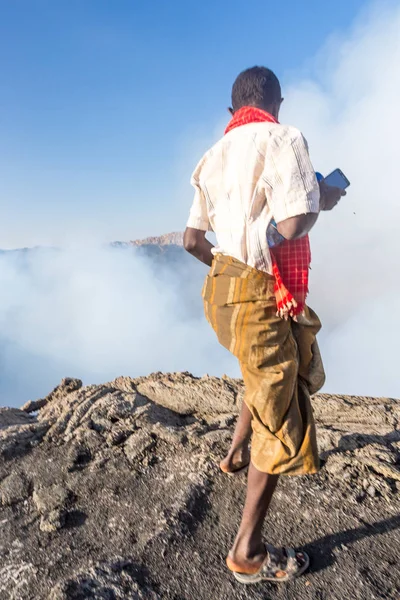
(291, 259)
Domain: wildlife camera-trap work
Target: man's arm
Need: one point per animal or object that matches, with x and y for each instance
(196, 243)
(194, 239)
(296, 199)
(297, 227)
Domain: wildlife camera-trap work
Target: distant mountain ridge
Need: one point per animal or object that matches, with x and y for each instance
(168, 239)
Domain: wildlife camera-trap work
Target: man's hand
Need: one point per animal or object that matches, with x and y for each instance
(195, 242)
(330, 196)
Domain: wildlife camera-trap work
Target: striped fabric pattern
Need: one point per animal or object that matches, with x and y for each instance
(280, 363)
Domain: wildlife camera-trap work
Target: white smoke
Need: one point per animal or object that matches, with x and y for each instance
(96, 314)
(350, 117)
(99, 313)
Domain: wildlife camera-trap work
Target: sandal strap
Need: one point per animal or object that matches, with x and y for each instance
(292, 565)
(274, 562)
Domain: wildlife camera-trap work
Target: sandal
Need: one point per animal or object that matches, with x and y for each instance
(277, 569)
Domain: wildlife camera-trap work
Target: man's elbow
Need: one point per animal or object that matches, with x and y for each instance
(290, 234)
(295, 234)
(297, 227)
(290, 230)
(190, 241)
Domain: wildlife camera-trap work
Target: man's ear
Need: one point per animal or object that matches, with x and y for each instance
(277, 108)
(230, 110)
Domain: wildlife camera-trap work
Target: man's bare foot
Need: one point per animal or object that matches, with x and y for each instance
(236, 459)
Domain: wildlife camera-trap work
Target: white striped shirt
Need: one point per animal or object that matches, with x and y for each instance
(255, 173)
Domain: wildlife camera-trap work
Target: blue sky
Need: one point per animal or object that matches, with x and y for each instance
(105, 106)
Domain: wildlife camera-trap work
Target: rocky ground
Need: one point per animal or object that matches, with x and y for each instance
(114, 492)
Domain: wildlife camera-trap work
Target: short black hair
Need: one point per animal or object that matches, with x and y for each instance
(257, 86)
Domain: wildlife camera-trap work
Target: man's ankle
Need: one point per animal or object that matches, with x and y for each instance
(248, 548)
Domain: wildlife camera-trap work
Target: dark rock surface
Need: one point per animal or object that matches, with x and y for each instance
(114, 492)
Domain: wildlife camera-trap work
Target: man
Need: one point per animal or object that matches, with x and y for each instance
(254, 296)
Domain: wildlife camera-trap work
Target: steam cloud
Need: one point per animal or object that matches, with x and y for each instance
(350, 119)
(99, 313)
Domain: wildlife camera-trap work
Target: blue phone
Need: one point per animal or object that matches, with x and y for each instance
(337, 179)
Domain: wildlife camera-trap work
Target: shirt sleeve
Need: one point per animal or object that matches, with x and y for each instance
(198, 217)
(291, 178)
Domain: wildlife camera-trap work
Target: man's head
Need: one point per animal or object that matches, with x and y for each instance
(258, 87)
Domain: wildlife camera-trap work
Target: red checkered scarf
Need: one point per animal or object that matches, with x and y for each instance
(291, 259)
